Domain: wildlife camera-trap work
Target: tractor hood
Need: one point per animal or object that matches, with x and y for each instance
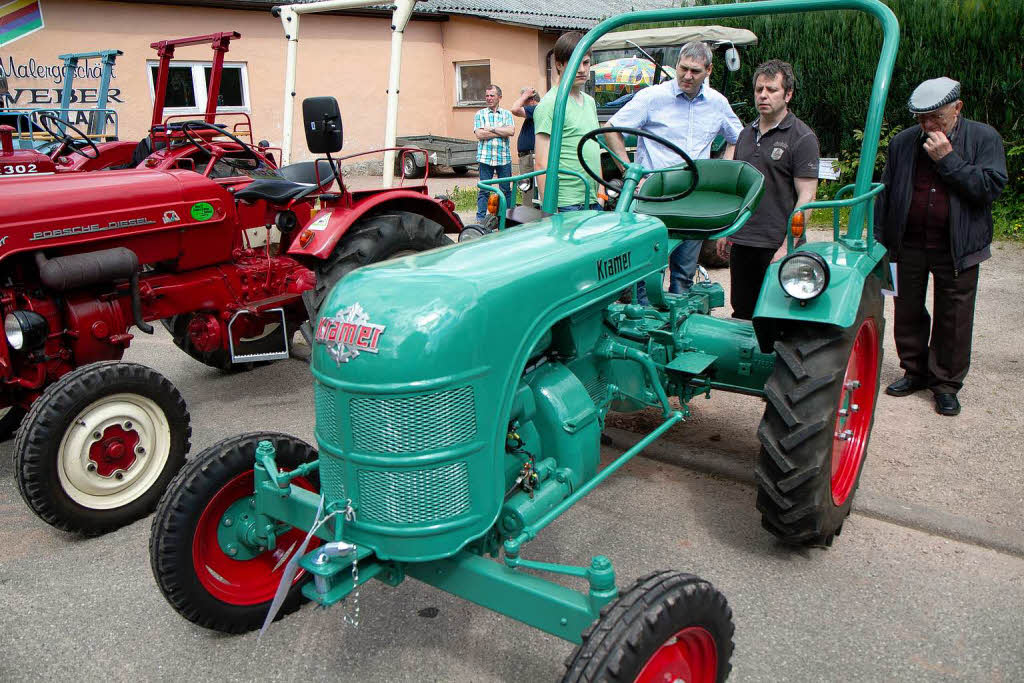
(479, 304)
(72, 209)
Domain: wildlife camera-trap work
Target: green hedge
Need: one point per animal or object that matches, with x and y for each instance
(977, 42)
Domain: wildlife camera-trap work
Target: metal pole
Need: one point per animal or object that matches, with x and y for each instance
(289, 15)
(290, 22)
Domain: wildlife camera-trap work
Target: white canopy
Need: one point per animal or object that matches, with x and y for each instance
(675, 35)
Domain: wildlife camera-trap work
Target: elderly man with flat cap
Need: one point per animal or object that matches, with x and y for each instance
(935, 217)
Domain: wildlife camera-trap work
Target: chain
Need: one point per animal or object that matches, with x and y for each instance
(353, 620)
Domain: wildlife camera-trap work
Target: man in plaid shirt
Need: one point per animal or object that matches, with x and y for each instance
(493, 127)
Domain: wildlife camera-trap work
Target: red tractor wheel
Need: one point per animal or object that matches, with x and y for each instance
(371, 240)
(819, 410)
(98, 448)
(187, 328)
(668, 627)
(198, 550)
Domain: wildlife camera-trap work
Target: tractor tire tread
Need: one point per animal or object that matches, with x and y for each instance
(171, 560)
(42, 429)
(615, 647)
(793, 472)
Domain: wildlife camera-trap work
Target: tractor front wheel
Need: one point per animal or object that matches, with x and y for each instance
(668, 627)
(819, 410)
(198, 548)
(99, 447)
(373, 239)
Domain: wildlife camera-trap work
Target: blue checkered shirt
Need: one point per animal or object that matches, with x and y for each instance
(496, 151)
(692, 124)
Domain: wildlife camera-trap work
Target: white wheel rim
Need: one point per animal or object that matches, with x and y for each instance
(132, 413)
(4, 411)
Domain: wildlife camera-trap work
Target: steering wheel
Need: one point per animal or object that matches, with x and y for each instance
(205, 145)
(690, 166)
(68, 142)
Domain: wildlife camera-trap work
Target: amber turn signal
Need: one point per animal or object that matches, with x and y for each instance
(492, 204)
(798, 225)
(305, 237)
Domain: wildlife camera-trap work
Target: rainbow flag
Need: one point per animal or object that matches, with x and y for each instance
(18, 18)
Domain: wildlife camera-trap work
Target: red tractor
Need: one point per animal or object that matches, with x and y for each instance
(76, 150)
(85, 256)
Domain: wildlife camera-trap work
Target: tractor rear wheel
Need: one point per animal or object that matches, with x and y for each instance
(10, 418)
(819, 410)
(668, 627)
(209, 580)
(373, 239)
(178, 326)
(99, 447)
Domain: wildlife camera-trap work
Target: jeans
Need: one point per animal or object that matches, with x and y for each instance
(682, 264)
(486, 173)
(579, 207)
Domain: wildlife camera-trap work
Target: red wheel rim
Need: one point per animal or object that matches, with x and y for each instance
(241, 582)
(855, 410)
(689, 655)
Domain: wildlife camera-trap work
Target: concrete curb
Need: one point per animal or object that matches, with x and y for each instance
(910, 515)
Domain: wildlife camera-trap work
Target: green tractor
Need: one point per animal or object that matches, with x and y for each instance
(461, 394)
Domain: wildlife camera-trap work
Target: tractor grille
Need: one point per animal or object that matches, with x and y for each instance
(332, 478)
(416, 423)
(597, 388)
(326, 412)
(414, 497)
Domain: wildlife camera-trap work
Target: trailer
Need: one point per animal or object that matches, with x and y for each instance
(439, 151)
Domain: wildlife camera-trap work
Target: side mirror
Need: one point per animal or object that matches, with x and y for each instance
(322, 120)
(732, 59)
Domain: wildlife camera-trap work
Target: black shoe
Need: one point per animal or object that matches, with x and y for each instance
(905, 386)
(947, 404)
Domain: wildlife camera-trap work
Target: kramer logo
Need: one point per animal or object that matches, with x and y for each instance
(348, 333)
(607, 267)
(84, 229)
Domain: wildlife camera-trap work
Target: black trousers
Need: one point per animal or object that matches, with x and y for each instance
(747, 267)
(943, 359)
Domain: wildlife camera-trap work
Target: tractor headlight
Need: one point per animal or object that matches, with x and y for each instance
(25, 330)
(803, 275)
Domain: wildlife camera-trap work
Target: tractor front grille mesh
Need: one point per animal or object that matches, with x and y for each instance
(332, 478)
(414, 497)
(326, 412)
(415, 423)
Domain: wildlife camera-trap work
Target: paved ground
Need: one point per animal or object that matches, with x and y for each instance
(887, 602)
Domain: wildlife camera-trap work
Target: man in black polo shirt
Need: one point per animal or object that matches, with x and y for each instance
(523, 108)
(785, 150)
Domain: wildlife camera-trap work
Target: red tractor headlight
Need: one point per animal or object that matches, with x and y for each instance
(25, 330)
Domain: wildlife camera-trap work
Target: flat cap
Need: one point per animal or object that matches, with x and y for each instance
(933, 94)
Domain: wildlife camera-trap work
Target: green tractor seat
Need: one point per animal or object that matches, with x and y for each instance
(725, 189)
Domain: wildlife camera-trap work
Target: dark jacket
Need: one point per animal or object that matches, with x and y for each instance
(974, 173)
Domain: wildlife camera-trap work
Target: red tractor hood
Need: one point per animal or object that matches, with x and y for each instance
(74, 211)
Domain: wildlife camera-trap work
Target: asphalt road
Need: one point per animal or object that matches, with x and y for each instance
(886, 602)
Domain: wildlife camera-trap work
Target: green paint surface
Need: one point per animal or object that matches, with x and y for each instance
(203, 211)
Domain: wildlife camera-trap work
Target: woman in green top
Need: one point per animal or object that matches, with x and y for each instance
(580, 118)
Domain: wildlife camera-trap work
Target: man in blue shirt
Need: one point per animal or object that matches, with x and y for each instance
(688, 112)
(493, 127)
(523, 108)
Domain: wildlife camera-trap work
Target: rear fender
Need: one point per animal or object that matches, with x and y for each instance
(836, 307)
(331, 224)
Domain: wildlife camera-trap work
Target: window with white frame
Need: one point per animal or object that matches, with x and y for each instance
(189, 82)
(471, 80)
